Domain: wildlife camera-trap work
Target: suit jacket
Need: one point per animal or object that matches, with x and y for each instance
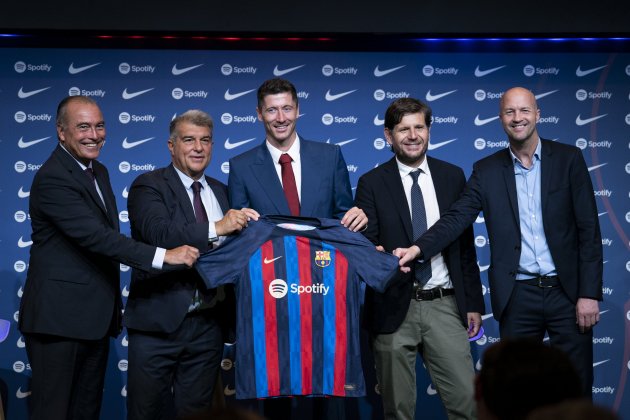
(569, 218)
(161, 214)
(72, 286)
(381, 195)
(325, 190)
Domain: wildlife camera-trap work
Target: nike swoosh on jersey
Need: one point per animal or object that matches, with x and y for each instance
(129, 144)
(24, 244)
(581, 73)
(231, 96)
(22, 193)
(334, 97)
(592, 168)
(429, 97)
(483, 121)
(580, 121)
(266, 261)
(177, 72)
(24, 95)
(542, 95)
(75, 70)
(433, 146)
(380, 73)
(481, 73)
(229, 145)
(24, 144)
(378, 121)
(277, 72)
(127, 95)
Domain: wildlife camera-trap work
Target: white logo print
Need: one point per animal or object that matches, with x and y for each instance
(24, 95)
(331, 97)
(542, 95)
(177, 72)
(482, 268)
(434, 146)
(277, 72)
(267, 261)
(278, 288)
(581, 73)
(125, 291)
(23, 244)
(580, 121)
(380, 73)
(129, 144)
(600, 363)
(20, 343)
(486, 316)
(432, 98)
(22, 394)
(24, 144)
(233, 145)
(481, 73)
(431, 390)
(75, 70)
(127, 95)
(592, 168)
(344, 142)
(378, 121)
(484, 121)
(22, 193)
(231, 96)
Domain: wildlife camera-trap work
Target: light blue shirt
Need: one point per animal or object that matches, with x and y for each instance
(536, 259)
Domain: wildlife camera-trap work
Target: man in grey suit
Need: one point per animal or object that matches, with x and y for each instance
(71, 303)
(545, 242)
(436, 307)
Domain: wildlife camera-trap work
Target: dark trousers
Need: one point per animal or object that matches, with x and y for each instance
(68, 377)
(173, 375)
(533, 310)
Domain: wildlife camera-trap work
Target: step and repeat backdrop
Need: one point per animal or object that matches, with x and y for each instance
(584, 100)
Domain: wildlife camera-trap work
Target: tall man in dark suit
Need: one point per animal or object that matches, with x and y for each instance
(437, 306)
(174, 322)
(546, 247)
(289, 175)
(71, 303)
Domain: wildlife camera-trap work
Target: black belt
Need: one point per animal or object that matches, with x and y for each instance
(429, 294)
(542, 281)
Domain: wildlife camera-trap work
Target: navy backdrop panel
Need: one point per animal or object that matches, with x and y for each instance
(584, 100)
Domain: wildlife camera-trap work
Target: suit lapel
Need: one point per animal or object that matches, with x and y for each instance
(441, 186)
(109, 198)
(393, 184)
(510, 184)
(545, 173)
(175, 184)
(264, 171)
(311, 168)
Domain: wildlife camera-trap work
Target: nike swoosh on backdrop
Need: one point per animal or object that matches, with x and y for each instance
(486, 316)
(24, 144)
(177, 72)
(542, 95)
(431, 97)
(234, 145)
(378, 121)
(380, 73)
(483, 121)
(334, 97)
(127, 95)
(231, 96)
(21, 394)
(24, 244)
(481, 73)
(129, 144)
(75, 70)
(341, 143)
(24, 95)
(601, 363)
(483, 268)
(266, 261)
(22, 193)
(580, 121)
(433, 146)
(277, 72)
(581, 73)
(592, 168)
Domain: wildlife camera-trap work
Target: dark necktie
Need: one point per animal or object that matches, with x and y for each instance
(288, 184)
(90, 172)
(419, 224)
(200, 210)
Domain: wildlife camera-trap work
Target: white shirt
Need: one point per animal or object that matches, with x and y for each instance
(439, 271)
(294, 152)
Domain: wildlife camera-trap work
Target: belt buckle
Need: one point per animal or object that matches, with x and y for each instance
(418, 294)
(540, 283)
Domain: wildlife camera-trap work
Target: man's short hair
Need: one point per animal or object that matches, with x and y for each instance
(405, 106)
(192, 116)
(275, 86)
(62, 108)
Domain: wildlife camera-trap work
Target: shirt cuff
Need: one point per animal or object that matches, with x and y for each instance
(158, 258)
(212, 232)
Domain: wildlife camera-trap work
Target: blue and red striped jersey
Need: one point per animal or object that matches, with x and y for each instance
(297, 283)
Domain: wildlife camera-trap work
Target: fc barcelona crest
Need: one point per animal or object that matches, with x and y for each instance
(322, 258)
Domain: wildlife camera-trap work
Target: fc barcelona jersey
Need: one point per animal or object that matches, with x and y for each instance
(297, 282)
